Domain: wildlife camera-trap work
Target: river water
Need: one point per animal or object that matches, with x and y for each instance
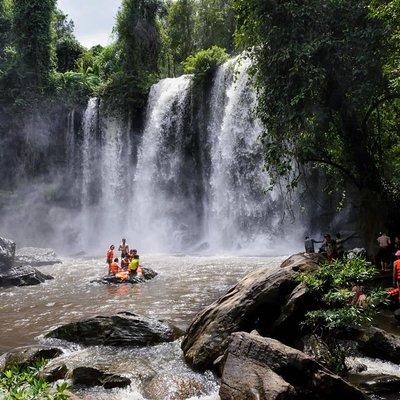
(184, 286)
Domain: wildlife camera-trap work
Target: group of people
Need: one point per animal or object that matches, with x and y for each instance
(332, 247)
(129, 260)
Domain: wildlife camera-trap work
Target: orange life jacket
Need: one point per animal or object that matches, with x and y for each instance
(396, 266)
(110, 255)
(114, 268)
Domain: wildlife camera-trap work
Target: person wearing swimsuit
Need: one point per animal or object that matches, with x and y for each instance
(124, 249)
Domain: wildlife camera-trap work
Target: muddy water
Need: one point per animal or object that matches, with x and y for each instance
(184, 286)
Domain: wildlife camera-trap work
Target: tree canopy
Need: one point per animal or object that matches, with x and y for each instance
(326, 97)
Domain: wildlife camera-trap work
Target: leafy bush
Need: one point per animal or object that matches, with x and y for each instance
(332, 287)
(25, 384)
(333, 283)
(204, 61)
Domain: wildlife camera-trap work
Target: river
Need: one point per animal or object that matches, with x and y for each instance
(184, 286)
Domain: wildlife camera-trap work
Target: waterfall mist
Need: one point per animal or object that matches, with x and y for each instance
(176, 185)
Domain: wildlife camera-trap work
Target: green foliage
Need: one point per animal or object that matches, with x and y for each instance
(32, 38)
(75, 87)
(319, 69)
(68, 49)
(333, 283)
(202, 63)
(215, 24)
(137, 50)
(25, 384)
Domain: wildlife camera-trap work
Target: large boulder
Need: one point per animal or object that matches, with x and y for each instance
(7, 254)
(123, 329)
(22, 276)
(25, 356)
(265, 369)
(256, 302)
(36, 257)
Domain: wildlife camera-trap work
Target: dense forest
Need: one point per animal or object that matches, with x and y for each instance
(327, 75)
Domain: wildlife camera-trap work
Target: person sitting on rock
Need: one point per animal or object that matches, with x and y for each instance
(114, 267)
(125, 263)
(359, 297)
(134, 265)
(110, 255)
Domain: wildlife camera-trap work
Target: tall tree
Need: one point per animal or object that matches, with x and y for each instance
(68, 49)
(321, 82)
(32, 37)
(215, 24)
(137, 52)
(180, 30)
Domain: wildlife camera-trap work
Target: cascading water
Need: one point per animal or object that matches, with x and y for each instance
(163, 204)
(172, 199)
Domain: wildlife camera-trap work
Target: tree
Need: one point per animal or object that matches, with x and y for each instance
(180, 31)
(321, 83)
(215, 24)
(137, 50)
(68, 49)
(32, 38)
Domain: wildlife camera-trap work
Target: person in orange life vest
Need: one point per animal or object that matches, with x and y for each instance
(110, 255)
(396, 270)
(114, 267)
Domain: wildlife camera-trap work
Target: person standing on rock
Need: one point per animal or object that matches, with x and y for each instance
(329, 247)
(309, 244)
(124, 249)
(110, 255)
(384, 251)
(339, 244)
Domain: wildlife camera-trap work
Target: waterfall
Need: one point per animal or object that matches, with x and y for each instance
(240, 212)
(161, 202)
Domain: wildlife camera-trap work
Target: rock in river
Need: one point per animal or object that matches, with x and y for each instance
(24, 356)
(147, 274)
(265, 369)
(268, 299)
(13, 275)
(36, 257)
(123, 329)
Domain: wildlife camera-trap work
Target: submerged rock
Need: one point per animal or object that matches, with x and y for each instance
(23, 276)
(381, 384)
(36, 257)
(123, 329)
(265, 369)
(88, 376)
(25, 356)
(256, 302)
(147, 275)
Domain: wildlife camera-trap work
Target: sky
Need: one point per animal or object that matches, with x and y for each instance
(94, 19)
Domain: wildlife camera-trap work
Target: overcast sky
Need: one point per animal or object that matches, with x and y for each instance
(94, 19)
